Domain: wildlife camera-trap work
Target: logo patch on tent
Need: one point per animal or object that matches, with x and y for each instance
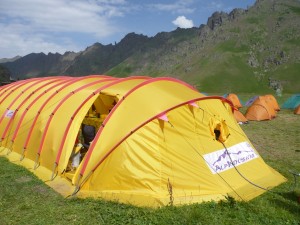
(9, 113)
(220, 161)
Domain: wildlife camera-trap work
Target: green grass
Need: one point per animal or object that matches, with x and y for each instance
(122, 70)
(253, 20)
(294, 41)
(294, 9)
(236, 30)
(291, 83)
(231, 46)
(26, 200)
(232, 75)
(256, 36)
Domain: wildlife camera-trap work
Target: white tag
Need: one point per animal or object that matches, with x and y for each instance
(10, 113)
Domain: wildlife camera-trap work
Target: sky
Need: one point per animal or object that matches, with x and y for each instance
(34, 26)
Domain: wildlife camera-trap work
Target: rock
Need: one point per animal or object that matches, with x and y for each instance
(217, 19)
(204, 31)
(234, 14)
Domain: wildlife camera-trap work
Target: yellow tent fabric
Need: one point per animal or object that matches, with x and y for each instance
(159, 141)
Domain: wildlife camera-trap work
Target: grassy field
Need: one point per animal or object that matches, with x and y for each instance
(26, 200)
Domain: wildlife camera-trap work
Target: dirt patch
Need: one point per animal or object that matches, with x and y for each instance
(41, 189)
(23, 179)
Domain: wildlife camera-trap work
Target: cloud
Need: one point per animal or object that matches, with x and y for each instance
(183, 22)
(15, 42)
(62, 15)
(38, 26)
(62, 25)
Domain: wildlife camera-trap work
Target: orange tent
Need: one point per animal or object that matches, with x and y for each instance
(235, 100)
(239, 116)
(260, 110)
(297, 110)
(271, 100)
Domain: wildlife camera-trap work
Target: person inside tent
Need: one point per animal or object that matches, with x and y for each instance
(76, 153)
(88, 135)
(84, 138)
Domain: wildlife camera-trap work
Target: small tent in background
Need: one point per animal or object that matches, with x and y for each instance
(234, 99)
(251, 100)
(240, 118)
(271, 100)
(292, 102)
(158, 140)
(260, 110)
(297, 110)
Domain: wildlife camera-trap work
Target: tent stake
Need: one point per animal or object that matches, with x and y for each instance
(53, 171)
(36, 163)
(22, 154)
(77, 185)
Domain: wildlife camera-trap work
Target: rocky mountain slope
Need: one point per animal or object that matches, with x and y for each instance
(243, 51)
(4, 75)
(246, 50)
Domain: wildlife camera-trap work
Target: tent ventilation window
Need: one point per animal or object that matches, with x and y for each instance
(217, 133)
(219, 129)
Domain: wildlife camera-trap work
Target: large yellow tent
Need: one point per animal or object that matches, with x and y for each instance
(159, 141)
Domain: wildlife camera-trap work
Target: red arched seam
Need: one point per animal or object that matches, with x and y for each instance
(7, 87)
(60, 104)
(21, 83)
(156, 116)
(16, 98)
(72, 81)
(4, 87)
(89, 153)
(79, 107)
(18, 85)
(10, 86)
(38, 97)
(30, 105)
(74, 114)
(22, 103)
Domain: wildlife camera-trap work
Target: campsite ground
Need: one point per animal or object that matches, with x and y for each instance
(26, 200)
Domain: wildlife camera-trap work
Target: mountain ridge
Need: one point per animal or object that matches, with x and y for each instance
(4, 75)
